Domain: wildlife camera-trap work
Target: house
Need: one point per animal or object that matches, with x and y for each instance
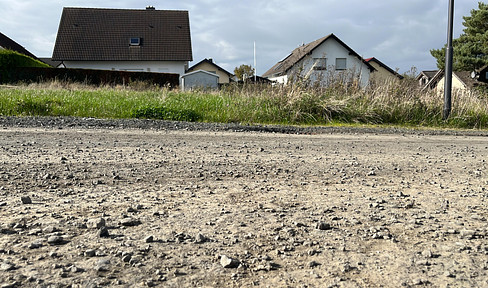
(256, 80)
(382, 72)
(123, 39)
(322, 61)
(208, 65)
(199, 79)
(425, 76)
(9, 44)
(462, 81)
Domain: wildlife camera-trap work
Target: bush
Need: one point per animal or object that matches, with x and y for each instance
(10, 60)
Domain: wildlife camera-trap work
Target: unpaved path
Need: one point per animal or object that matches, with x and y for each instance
(131, 207)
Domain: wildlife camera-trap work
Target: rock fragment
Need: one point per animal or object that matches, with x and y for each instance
(6, 266)
(149, 239)
(200, 239)
(128, 222)
(228, 262)
(102, 265)
(95, 223)
(55, 240)
(103, 232)
(323, 226)
(26, 200)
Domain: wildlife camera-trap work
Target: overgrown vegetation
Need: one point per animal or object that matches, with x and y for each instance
(398, 103)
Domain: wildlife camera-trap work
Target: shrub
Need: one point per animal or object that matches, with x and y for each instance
(9, 60)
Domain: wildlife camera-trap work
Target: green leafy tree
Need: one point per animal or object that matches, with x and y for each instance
(471, 48)
(244, 71)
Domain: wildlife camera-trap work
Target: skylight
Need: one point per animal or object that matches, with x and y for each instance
(135, 41)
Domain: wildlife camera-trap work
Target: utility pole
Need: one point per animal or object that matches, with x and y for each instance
(448, 70)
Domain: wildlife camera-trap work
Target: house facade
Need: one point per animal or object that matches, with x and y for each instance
(225, 77)
(323, 61)
(463, 82)
(382, 72)
(146, 40)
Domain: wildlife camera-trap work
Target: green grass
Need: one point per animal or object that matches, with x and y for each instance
(397, 104)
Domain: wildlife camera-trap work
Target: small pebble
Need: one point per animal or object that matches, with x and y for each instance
(228, 262)
(95, 223)
(26, 200)
(55, 240)
(149, 239)
(103, 232)
(323, 226)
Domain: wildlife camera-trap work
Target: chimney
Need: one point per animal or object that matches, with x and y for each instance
(150, 8)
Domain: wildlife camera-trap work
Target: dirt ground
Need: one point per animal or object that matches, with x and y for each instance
(142, 208)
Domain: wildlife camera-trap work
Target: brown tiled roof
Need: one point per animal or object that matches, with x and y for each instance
(299, 53)
(7, 43)
(92, 34)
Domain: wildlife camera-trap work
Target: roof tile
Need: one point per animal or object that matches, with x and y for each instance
(93, 34)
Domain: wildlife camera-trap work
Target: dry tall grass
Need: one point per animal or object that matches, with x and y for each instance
(388, 103)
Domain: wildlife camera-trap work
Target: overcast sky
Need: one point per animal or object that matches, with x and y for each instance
(399, 33)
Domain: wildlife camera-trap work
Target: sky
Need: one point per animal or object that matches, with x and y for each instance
(400, 33)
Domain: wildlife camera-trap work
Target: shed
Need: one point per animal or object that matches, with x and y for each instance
(199, 79)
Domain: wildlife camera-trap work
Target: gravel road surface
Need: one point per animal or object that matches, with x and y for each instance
(140, 203)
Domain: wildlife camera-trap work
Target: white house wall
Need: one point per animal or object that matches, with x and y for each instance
(331, 50)
(177, 67)
(280, 79)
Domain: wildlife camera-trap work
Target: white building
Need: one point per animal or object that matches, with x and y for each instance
(147, 40)
(322, 62)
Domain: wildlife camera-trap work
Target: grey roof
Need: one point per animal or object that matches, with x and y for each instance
(93, 34)
(299, 53)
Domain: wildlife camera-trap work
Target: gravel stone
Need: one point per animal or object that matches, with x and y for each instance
(95, 223)
(26, 200)
(228, 262)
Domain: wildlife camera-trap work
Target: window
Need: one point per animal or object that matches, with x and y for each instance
(135, 41)
(341, 64)
(320, 63)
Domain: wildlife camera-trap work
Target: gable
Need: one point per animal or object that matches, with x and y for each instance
(382, 68)
(92, 34)
(209, 65)
(297, 55)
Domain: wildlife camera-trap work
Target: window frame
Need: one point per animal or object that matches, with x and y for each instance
(320, 67)
(135, 43)
(341, 67)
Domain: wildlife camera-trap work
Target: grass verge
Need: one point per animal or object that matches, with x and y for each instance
(393, 103)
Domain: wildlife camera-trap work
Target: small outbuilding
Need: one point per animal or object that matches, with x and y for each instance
(199, 79)
(225, 77)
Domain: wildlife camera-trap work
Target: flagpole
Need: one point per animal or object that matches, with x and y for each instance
(255, 70)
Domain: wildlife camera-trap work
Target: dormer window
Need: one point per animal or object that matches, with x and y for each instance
(135, 41)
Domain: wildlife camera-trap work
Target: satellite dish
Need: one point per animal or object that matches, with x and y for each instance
(474, 75)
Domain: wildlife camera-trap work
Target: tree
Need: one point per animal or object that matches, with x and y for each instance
(471, 48)
(243, 72)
